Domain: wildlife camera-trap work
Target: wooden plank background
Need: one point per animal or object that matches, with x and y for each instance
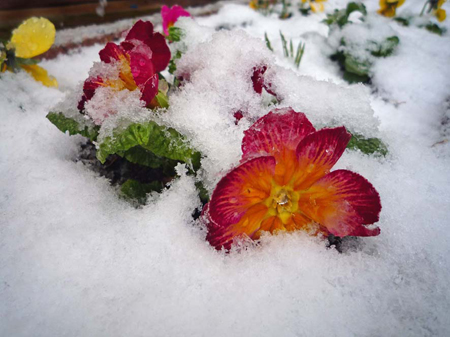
(72, 13)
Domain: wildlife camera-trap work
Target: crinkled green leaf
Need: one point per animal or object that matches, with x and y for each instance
(354, 78)
(352, 65)
(367, 145)
(160, 140)
(64, 124)
(136, 191)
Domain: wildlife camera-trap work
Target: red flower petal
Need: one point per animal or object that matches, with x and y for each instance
(342, 201)
(111, 52)
(150, 89)
(161, 52)
(275, 133)
(89, 87)
(258, 79)
(141, 64)
(317, 153)
(248, 226)
(142, 31)
(243, 187)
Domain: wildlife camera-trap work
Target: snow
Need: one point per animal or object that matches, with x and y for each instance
(79, 261)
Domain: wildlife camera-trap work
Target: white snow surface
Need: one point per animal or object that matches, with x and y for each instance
(76, 260)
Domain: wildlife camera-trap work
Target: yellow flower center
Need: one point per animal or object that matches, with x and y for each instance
(282, 202)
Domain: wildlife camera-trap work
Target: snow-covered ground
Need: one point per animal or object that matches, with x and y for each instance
(76, 260)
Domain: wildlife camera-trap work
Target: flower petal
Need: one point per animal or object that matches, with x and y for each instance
(274, 134)
(243, 187)
(248, 226)
(161, 52)
(342, 201)
(111, 52)
(33, 37)
(258, 79)
(317, 153)
(41, 75)
(142, 30)
(89, 87)
(170, 16)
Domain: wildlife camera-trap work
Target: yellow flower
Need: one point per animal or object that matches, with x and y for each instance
(388, 7)
(438, 12)
(32, 38)
(315, 5)
(253, 4)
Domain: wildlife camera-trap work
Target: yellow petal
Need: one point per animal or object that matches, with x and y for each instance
(41, 75)
(33, 37)
(317, 7)
(440, 14)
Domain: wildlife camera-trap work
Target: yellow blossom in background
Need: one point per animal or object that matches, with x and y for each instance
(438, 12)
(253, 4)
(316, 5)
(32, 38)
(388, 7)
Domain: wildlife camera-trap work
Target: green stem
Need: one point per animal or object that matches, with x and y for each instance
(423, 8)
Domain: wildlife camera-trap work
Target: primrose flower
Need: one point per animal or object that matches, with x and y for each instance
(284, 183)
(388, 7)
(316, 5)
(32, 38)
(438, 12)
(138, 59)
(171, 15)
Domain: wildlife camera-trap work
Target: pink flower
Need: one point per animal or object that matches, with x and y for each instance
(139, 59)
(171, 15)
(284, 183)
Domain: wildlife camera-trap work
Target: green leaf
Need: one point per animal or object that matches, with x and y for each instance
(352, 65)
(436, 29)
(27, 62)
(172, 64)
(175, 34)
(136, 191)
(162, 100)
(340, 17)
(354, 78)
(367, 145)
(268, 44)
(139, 155)
(402, 21)
(64, 124)
(356, 7)
(160, 140)
(202, 192)
(386, 48)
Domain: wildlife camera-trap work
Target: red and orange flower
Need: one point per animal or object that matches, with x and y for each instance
(139, 59)
(284, 183)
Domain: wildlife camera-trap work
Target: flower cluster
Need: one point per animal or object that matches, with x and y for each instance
(138, 61)
(32, 38)
(284, 183)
